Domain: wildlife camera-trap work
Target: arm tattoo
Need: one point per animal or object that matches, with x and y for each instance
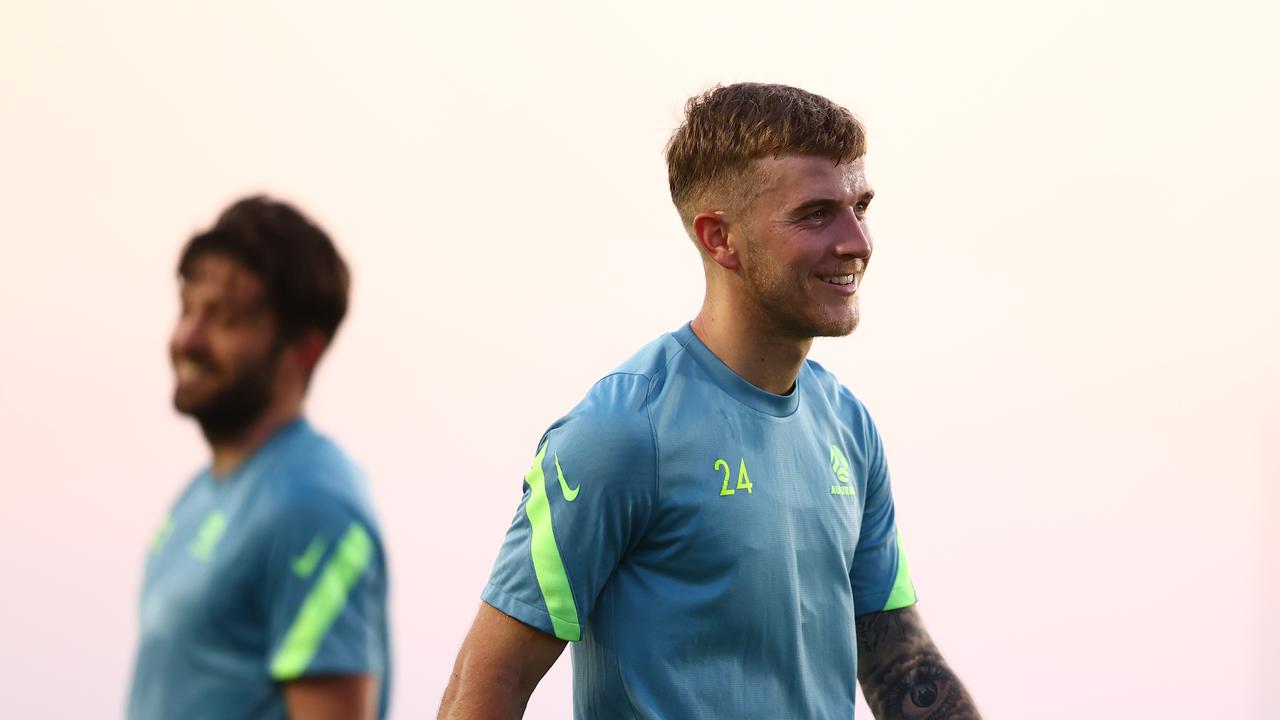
(903, 675)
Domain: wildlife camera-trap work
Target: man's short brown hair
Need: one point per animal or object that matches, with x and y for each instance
(306, 280)
(728, 128)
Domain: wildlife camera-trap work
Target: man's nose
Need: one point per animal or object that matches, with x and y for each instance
(191, 334)
(855, 238)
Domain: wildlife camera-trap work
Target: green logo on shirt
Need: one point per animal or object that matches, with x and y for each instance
(569, 495)
(215, 523)
(840, 466)
(305, 564)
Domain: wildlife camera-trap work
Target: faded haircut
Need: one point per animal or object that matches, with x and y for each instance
(726, 129)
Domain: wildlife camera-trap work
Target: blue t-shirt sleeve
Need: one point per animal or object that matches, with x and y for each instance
(325, 591)
(880, 577)
(587, 499)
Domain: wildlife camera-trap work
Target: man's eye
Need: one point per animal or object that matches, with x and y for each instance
(818, 215)
(218, 315)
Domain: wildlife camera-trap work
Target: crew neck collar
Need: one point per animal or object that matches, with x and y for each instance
(734, 384)
(282, 433)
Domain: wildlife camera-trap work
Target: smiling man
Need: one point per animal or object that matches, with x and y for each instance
(712, 526)
(265, 589)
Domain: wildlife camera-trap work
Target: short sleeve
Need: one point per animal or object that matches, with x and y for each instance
(587, 498)
(325, 592)
(880, 577)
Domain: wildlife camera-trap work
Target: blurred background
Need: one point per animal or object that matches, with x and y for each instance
(1069, 342)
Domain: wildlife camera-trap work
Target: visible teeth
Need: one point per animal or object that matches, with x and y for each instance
(840, 279)
(187, 371)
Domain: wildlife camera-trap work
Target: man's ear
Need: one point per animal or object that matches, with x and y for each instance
(711, 232)
(309, 348)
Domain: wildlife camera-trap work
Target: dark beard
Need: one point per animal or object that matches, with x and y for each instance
(228, 414)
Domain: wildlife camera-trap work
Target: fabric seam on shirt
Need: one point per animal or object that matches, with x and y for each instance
(540, 611)
(653, 438)
(653, 430)
(868, 612)
(776, 418)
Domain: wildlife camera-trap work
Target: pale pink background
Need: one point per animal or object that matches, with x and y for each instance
(1070, 336)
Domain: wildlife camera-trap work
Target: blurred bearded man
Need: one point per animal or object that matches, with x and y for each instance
(712, 526)
(266, 586)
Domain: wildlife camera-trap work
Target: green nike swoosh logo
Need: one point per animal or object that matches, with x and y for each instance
(569, 494)
(305, 564)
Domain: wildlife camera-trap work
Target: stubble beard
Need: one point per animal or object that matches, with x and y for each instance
(786, 305)
(232, 409)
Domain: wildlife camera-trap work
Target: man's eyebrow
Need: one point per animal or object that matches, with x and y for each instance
(815, 203)
(826, 202)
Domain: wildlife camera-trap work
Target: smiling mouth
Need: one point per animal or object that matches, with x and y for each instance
(187, 371)
(848, 282)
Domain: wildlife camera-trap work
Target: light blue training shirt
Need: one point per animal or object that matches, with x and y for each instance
(272, 573)
(704, 543)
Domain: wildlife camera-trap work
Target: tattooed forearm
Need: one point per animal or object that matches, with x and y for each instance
(903, 675)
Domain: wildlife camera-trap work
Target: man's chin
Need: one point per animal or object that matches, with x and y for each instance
(807, 328)
(189, 403)
(837, 330)
(221, 422)
(836, 326)
(833, 318)
(219, 416)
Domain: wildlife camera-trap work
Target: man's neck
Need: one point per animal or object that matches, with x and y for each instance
(231, 452)
(755, 352)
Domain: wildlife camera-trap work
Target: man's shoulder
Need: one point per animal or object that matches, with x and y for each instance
(826, 381)
(615, 414)
(650, 364)
(842, 401)
(314, 474)
(626, 389)
(310, 452)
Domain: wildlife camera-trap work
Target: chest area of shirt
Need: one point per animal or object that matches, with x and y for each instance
(770, 489)
(203, 566)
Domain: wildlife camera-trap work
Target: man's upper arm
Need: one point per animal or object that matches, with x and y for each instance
(880, 577)
(587, 500)
(500, 663)
(325, 592)
(338, 697)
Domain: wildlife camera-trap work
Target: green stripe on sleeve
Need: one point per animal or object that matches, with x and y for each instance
(321, 607)
(904, 592)
(547, 565)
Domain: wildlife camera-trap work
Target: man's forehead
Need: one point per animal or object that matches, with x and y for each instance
(803, 175)
(218, 275)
